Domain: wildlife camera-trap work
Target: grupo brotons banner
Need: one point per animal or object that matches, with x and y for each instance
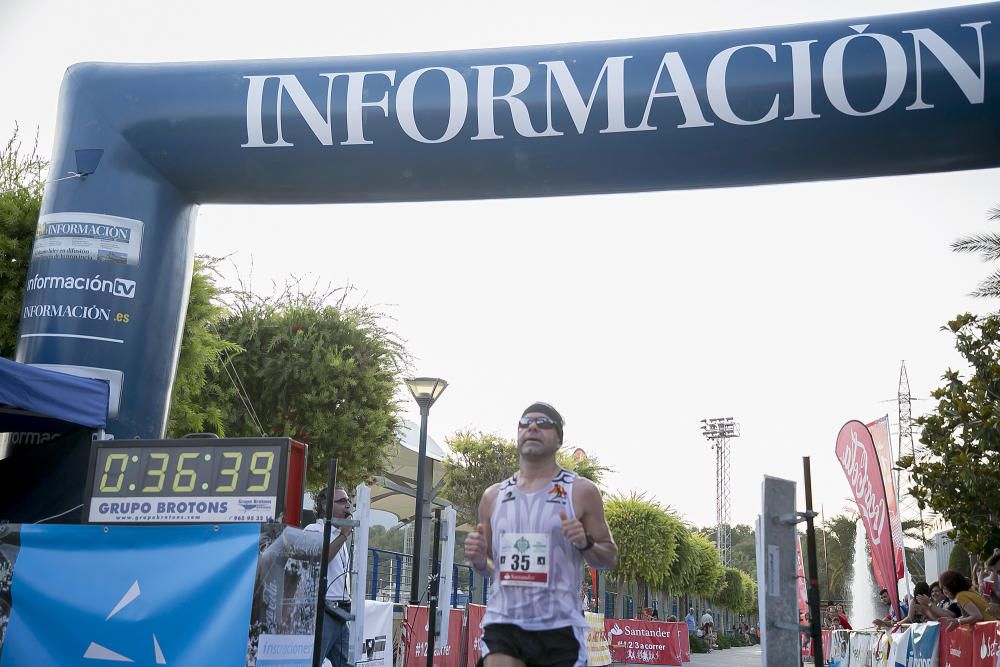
(880, 436)
(857, 456)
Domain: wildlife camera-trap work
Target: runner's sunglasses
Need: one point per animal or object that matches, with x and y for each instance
(540, 422)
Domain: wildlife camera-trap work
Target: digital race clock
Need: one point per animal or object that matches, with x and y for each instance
(196, 480)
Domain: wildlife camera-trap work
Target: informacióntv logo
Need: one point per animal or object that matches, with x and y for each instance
(115, 286)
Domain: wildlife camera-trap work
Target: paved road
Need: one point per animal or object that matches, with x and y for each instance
(746, 656)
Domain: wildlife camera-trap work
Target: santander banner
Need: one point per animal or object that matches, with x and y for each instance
(860, 461)
(880, 436)
(646, 642)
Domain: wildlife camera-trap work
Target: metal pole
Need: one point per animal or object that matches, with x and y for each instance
(433, 597)
(813, 592)
(324, 562)
(826, 555)
(415, 584)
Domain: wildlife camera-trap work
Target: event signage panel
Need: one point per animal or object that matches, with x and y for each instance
(184, 596)
(645, 642)
(883, 447)
(883, 95)
(87, 595)
(194, 480)
(859, 459)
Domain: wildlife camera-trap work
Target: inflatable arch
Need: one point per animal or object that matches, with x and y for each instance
(111, 265)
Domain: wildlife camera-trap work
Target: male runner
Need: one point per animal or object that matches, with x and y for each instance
(535, 530)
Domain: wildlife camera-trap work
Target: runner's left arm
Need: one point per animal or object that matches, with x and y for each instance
(591, 521)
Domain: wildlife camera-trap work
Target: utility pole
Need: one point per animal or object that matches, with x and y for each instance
(911, 510)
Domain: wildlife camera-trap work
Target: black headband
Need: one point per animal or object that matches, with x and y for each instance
(549, 412)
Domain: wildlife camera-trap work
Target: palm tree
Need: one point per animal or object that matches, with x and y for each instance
(840, 531)
(988, 247)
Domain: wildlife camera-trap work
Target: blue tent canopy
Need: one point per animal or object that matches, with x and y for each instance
(40, 400)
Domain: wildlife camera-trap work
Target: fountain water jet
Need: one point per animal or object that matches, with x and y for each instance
(863, 589)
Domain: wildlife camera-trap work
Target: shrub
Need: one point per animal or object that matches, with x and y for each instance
(698, 644)
(723, 642)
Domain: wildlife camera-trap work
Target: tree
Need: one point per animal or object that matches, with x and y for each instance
(317, 369)
(988, 247)
(199, 366)
(478, 460)
(959, 475)
(21, 185)
(749, 604)
(646, 535)
(711, 575)
(387, 539)
(683, 576)
(582, 464)
(732, 595)
(743, 548)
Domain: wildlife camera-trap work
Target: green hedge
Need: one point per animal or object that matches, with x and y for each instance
(698, 644)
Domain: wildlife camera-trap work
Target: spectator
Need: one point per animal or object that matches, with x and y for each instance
(993, 594)
(918, 613)
(672, 618)
(708, 627)
(939, 607)
(971, 605)
(937, 597)
(889, 619)
(842, 618)
(691, 621)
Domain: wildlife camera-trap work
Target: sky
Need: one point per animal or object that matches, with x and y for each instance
(788, 308)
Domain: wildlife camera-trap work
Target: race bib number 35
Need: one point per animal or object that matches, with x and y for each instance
(524, 559)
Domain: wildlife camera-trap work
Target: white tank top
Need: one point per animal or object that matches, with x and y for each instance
(525, 521)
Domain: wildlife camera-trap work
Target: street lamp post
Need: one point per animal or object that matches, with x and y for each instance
(425, 391)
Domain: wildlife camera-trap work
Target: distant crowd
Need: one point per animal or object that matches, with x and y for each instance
(952, 600)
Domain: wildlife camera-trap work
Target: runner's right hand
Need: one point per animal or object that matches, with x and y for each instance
(475, 547)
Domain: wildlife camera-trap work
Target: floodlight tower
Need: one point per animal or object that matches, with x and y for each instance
(719, 431)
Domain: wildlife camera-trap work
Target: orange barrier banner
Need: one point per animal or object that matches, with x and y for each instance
(415, 639)
(956, 647)
(985, 644)
(474, 633)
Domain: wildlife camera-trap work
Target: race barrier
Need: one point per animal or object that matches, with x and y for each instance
(377, 645)
(191, 595)
(808, 650)
(598, 647)
(648, 642)
(917, 645)
(465, 633)
(474, 614)
(415, 639)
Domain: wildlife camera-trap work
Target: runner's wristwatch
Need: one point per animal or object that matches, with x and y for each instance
(589, 545)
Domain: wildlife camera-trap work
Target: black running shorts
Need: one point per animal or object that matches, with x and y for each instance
(561, 647)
